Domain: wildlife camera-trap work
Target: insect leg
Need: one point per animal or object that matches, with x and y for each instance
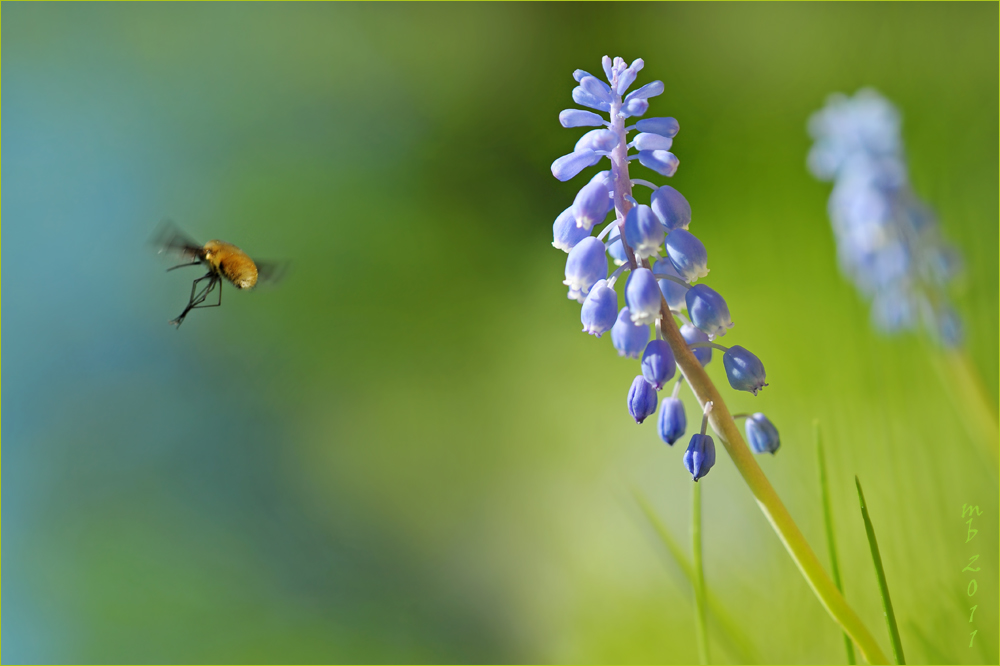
(193, 263)
(194, 300)
(216, 280)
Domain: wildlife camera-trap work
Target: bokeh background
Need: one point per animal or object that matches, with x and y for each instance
(408, 451)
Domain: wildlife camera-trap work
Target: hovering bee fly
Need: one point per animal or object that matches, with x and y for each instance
(223, 261)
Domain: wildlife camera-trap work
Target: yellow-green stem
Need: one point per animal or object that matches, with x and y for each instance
(767, 499)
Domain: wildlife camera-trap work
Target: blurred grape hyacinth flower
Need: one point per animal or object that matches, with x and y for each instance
(652, 243)
(888, 242)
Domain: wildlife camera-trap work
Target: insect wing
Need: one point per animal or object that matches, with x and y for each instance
(271, 272)
(169, 238)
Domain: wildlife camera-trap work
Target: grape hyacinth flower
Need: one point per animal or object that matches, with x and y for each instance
(585, 265)
(745, 371)
(708, 310)
(654, 244)
(628, 337)
(600, 310)
(658, 363)
(761, 434)
(672, 422)
(700, 455)
(888, 242)
(565, 232)
(693, 334)
(641, 399)
(642, 294)
(675, 292)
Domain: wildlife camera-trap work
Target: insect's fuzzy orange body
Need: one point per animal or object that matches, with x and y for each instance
(231, 263)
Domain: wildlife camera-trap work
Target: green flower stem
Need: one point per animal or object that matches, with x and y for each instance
(883, 586)
(699, 574)
(767, 499)
(831, 543)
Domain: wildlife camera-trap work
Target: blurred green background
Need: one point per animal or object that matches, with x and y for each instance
(408, 451)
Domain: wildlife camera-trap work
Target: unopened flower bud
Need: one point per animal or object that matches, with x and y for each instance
(586, 264)
(661, 161)
(672, 422)
(687, 254)
(583, 97)
(692, 334)
(745, 371)
(671, 208)
(628, 337)
(568, 166)
(650, 141)
(649, 90)
(598, 139)
(641, 399)
(600, 310)
(673, 292)
(667, 127)
(643, 232)
(658, 364)
(615, 247)
(700, 456)
(579, 118)
(642, 295)
(708, 310)
(565, 232)
(635, 107)
(761, 434)
(591, 204)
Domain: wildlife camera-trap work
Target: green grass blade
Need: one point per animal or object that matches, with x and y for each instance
(701, 632)
(727, 631)
(890, 616)
(828, 523)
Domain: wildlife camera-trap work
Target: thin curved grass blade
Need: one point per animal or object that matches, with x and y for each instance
(831, 544)
(883, 586)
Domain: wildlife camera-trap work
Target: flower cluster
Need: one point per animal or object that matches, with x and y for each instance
(888, 242)
(649, 242)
